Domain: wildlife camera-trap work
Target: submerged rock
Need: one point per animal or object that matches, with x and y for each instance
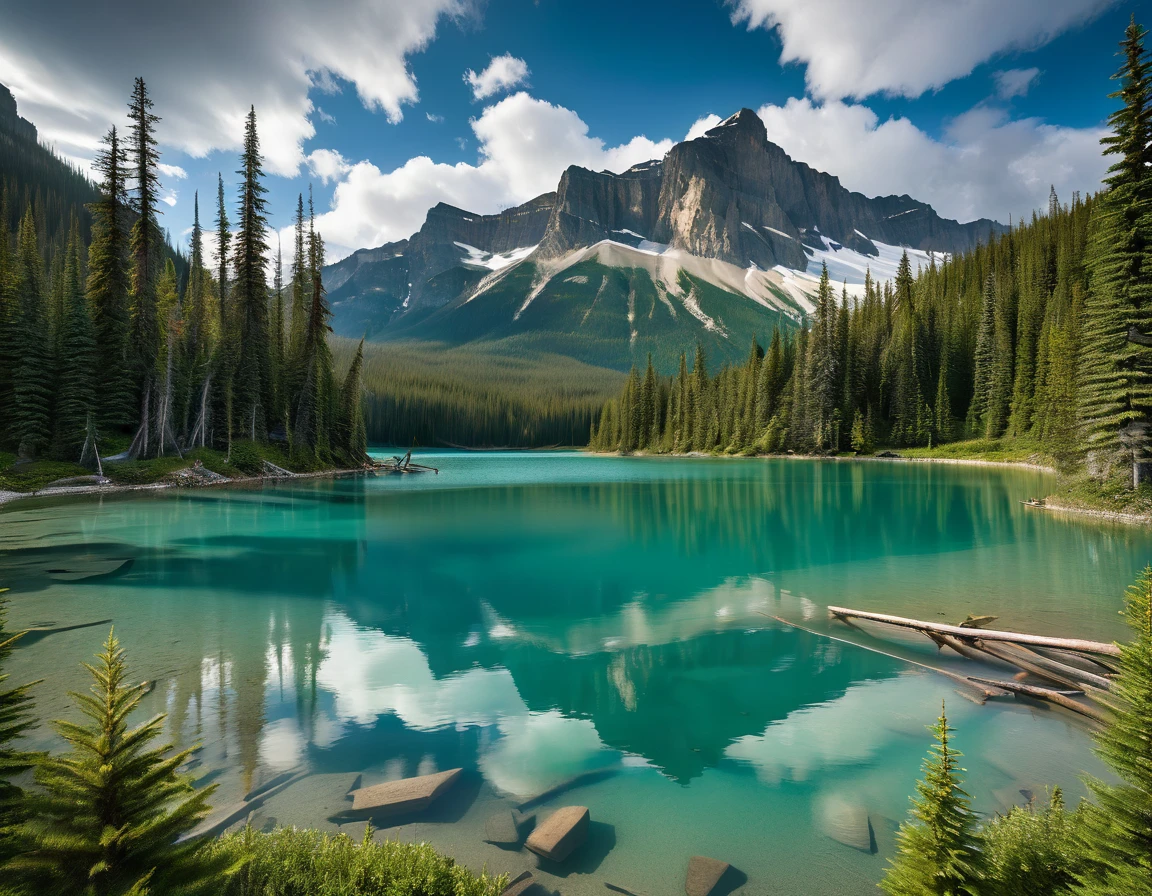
(564, 831)
(405, 795)
(522, 884)
(703, 875)
(505, 828)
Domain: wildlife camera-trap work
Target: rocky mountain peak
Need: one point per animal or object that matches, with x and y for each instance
(744, 123)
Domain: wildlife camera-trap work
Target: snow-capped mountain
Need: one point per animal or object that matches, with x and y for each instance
(723, 237)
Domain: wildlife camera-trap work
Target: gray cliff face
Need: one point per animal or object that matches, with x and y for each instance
(736, 196)
(593, 206)
(731, 194)
(434, 249)
(10, 120)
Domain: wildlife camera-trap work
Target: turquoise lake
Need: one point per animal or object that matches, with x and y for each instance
(598, 624)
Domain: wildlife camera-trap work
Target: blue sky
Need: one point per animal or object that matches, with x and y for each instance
(367, 99)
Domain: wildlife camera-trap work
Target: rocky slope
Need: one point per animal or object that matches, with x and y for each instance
(730, 210)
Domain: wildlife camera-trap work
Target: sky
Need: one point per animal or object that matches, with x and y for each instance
(386, 107)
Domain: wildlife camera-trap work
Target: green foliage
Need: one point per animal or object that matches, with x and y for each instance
(245, 457)
(109, 812)
(292, 862)
(1118, 827)
(15, 721)
(938, 851)
(1032, 853)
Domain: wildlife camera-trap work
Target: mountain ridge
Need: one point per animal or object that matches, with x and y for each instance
(729, 208)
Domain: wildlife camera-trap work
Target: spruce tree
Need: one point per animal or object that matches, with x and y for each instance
(353, 439)
(109, 285)
(822, 366)
(938, 851)
(253, 378)
(146, 245)
(110, 811)
(8, 319)
(15, 722)
(76, 387)
(32, 388)
(1116, 378)
(1118, 828)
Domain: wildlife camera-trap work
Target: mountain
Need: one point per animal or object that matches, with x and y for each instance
(32, 174)
(722, 238)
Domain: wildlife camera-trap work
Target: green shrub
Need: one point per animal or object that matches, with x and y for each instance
(293, 862)
(246, 458)
(1032, 853)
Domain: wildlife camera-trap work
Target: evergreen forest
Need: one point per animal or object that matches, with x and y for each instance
(112, 343)
(1038, 338)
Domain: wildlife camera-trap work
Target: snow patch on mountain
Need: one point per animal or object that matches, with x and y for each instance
(846, 266)
(494, 262)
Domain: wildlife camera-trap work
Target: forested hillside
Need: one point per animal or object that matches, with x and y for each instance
(105, 343)
(1038, 337)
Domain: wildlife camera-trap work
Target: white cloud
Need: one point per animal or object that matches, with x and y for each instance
(1015, 82)
(325, 117)
(503, 73)
(263, 52)
(703, 125)
(169, 198)
(984, 166)
(174, 171)
(905, 47)
(435, 119)
(525, 145)
(327, 164)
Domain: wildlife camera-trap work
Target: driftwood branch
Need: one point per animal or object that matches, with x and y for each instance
(984, 691)
(968, 634)
(1059, 698)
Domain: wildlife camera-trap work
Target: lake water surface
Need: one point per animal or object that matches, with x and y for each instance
(545, 619)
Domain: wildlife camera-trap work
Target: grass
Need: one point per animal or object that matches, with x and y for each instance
(294, 862)
(246, 460)
(1111, 495)
(1010, 451)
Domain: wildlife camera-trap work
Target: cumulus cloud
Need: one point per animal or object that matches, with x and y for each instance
(525, 145)
(905, 47)
(503, 73)
(327, 164)
(702, 125)
(174, 171)
(206, 67)
(985, 164)
(1015, 82)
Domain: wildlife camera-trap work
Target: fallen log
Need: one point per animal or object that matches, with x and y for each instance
(1052, 696)
(1066, 675)
(967, 634)
(983, 691)
(1007, 655)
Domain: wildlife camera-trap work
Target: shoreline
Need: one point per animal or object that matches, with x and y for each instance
(75, 491)
(1117, 516)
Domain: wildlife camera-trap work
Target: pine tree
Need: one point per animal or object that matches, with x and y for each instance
(146, 250)
(15, 722)
(223, 242)
(649, 395)
(822, 366)
(1118, 835)
(353, 439)
(8, 318)
(109, 285)
(938, 852)
(310, 431)
(111, 810)
(32, 371)
(253, 380)
(1116, 379)
(75, 391)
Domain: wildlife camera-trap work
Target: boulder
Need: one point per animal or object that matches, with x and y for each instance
(504, 828)
(562, 832)
(405, 795)
(703, 875)
(521, 884)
